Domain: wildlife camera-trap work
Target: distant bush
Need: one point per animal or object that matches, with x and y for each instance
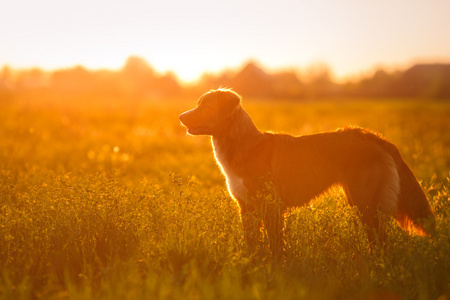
(137, 81)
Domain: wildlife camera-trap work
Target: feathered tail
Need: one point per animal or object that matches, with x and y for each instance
(413, 212)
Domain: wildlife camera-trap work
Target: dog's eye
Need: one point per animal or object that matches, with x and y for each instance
(204, 104)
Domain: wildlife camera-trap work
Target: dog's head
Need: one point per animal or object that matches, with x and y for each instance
(213, 113)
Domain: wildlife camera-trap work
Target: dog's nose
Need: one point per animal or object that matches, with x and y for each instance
(182, 116)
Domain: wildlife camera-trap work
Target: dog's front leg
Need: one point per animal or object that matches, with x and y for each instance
(251, 223)
(273, 223)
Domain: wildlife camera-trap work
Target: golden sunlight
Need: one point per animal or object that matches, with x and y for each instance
(106, 194)
(190, 38)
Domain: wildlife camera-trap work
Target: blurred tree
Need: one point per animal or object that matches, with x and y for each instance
(73, 80)
(252, 81)
(31, 79)
(287, 85)
(6, 75)
(137, 77)
(319, 80)
(166, 86)
(6, 83)
(424, 80)
(137, 80)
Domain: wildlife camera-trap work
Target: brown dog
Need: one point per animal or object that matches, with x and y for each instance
(293, 170)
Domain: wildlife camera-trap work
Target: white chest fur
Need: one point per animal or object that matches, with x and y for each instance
(237, 188)
(235, 184)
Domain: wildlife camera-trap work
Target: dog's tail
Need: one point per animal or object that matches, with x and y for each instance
(413, 212)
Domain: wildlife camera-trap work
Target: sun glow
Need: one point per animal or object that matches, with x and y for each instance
(198, 36)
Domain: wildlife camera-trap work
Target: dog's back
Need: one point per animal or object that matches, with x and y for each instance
(368, 167)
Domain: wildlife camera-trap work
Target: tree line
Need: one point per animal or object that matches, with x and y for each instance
(138, 80)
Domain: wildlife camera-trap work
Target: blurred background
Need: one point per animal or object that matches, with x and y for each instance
(271, 49)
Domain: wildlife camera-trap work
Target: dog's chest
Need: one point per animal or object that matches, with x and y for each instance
(235, 183)
(237, 188)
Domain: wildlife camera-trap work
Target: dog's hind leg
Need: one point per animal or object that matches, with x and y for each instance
(374, 189)
(369, 213)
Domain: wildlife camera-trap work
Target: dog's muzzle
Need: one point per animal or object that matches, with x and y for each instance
(185, 119)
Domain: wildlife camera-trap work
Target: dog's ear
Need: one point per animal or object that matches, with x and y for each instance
(229, 99)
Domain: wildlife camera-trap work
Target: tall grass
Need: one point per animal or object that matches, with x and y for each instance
(111, 200)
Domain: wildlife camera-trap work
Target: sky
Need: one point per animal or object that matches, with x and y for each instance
(197, 36)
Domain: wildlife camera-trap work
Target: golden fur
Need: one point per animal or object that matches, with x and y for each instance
(296, 169)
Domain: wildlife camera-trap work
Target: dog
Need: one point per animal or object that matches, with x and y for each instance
(294, 169)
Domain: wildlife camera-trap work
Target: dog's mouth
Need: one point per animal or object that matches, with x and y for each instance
(198, 130)
(190, 123)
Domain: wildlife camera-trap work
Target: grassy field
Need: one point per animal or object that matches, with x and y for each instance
(107, 199)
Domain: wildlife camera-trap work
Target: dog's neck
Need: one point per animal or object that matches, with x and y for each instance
(241, 135)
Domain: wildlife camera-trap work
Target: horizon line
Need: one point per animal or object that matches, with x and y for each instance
(297, 70)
